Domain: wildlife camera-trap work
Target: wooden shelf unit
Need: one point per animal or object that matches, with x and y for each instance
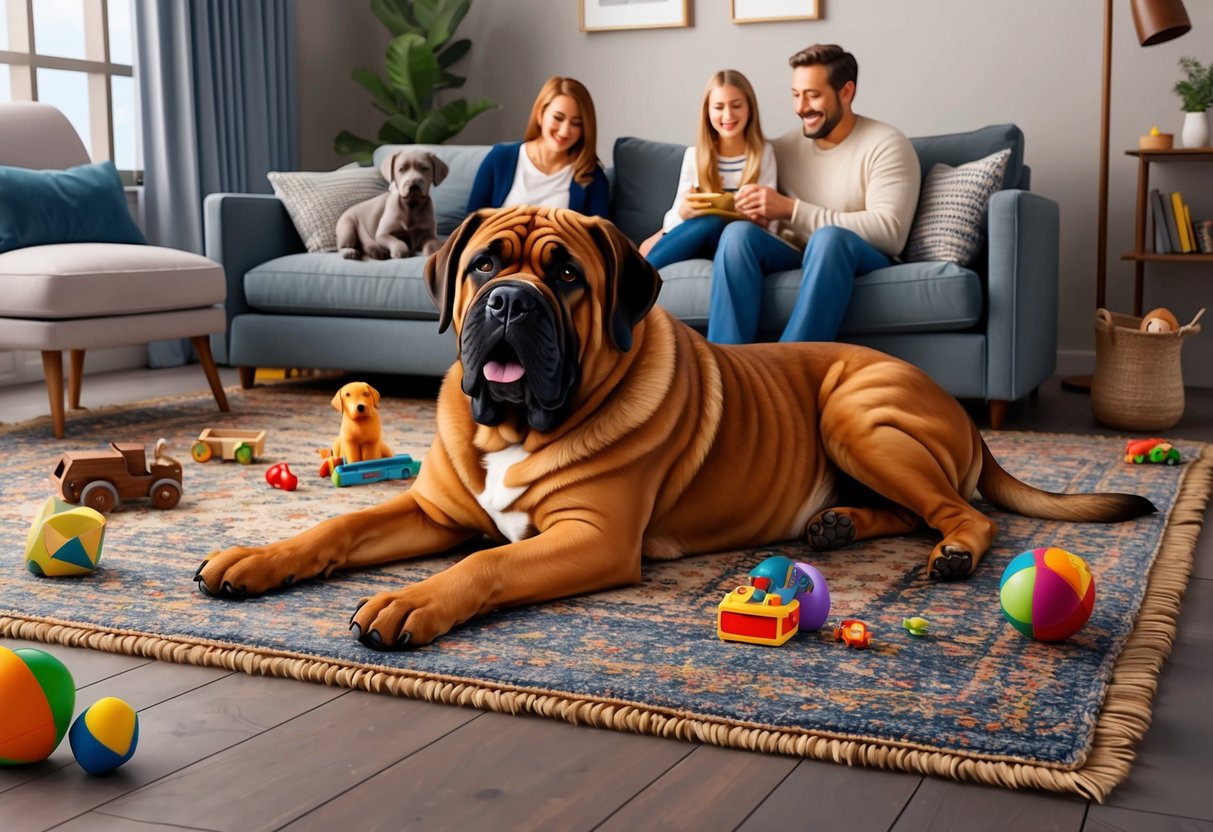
(1141, 254)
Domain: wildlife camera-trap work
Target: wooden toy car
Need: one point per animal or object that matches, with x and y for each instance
(750, 615)
(853, 632)
(1139, 451)
(101, 479)
(399, 467)
(241, 445)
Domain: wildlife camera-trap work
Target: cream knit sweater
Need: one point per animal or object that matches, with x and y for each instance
(868, 183)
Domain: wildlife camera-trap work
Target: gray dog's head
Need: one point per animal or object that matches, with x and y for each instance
(412, 172)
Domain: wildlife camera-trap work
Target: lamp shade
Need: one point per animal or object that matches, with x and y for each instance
(1159, 21)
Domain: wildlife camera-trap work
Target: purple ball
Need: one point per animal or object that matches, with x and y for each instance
(814, 604)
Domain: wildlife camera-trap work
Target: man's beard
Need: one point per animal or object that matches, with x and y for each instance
(826, 128)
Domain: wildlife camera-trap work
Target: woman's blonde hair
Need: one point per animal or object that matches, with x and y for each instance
(707, 155)
(585, 150)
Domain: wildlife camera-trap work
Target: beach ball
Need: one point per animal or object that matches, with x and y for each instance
(1047, 594)
(37, 697)
(104, 736)
(814, 603)
(64, 539)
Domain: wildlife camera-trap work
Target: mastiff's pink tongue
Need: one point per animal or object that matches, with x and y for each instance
(503, 372)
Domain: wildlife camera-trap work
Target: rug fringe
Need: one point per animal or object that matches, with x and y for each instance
(1122, 722)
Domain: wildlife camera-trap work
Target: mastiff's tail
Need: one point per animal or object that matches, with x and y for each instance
(1006, 492)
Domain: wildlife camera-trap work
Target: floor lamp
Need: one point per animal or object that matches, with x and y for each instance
(1157, 21)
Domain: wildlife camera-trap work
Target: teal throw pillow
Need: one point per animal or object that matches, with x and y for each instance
(84, 204)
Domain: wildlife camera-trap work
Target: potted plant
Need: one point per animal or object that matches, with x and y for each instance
(1196, 92)
(417, 64)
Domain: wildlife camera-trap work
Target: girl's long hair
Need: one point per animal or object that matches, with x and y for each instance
(706, 153)
(585, 150)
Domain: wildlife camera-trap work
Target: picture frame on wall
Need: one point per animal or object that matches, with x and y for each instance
(607, 15)
(767, 11)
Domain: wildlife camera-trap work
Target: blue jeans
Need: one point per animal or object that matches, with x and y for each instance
(694, 238)
(832, 260)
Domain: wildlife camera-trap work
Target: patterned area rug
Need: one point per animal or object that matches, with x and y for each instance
(973, 700)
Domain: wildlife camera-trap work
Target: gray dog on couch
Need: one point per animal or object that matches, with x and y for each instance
(400, 222)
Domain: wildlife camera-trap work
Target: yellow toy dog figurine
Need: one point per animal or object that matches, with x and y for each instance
(359, 440)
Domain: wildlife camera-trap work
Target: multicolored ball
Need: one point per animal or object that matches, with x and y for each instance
(1047, 594)
(37, 697)
(64, 539)
(105, 735)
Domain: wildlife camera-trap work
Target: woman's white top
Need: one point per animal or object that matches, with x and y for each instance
(730, 168)
(534, 187)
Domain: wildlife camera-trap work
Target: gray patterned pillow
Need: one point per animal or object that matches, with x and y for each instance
(950, 222)
(315, 201)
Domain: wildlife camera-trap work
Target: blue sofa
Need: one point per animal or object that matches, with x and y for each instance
(988, 332)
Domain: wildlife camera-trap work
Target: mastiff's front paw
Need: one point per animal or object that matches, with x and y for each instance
(408, 617)
(246, 571)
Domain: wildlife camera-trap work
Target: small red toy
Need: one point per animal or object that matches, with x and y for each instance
(1139, 451)
(854, 632)
(279, 475)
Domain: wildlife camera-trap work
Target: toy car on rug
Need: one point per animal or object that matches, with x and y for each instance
(767, 611)
(102, 479)
(399, 467)
(241, 445)
(1157, 451)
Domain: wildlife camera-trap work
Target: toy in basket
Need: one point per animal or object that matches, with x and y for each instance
(241, 445)
(399, 467)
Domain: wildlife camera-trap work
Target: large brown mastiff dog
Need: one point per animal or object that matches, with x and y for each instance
(582, 428)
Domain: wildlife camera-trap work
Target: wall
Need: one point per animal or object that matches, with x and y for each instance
(931, 66)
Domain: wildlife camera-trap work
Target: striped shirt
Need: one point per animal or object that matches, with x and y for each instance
(730, 168)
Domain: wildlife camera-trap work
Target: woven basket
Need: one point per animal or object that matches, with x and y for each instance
(1138, 383)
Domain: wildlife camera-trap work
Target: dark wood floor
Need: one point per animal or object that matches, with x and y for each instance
(227, 751)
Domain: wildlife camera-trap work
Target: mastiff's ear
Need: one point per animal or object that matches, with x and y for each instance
(442, 268)
(440, 169)
(385, 167)
(632, 283)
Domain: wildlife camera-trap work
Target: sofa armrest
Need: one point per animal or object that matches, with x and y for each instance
(242, 231)
(1021, 292)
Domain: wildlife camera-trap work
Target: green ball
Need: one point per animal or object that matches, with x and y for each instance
(37, 697)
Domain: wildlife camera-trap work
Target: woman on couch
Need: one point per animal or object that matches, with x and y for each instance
(730, 152)
(555, 165)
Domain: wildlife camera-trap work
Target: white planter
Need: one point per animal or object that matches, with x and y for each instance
(1195, 130)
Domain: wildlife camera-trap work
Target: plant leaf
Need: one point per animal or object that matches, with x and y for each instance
(407, 126)
(453, 52)
(451, 82)
(347, 144)
(434, 129)
(391, 134)
(394, 14)
(377, 87)
(449, 15)
(412, 70)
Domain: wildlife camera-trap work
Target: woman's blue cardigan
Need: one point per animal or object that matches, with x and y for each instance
(495, 178)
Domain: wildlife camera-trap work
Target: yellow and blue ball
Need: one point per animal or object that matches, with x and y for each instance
(105, 735)
(64, 539)
(37, 696)
(1047, 594)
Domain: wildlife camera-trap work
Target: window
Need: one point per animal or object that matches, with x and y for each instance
(78, 56)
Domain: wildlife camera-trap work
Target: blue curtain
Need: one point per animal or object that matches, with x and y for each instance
(217, 83)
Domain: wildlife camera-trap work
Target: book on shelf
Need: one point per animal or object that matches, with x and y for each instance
(1172, 227)
(1162, 240)
(1181, 223)
(1204, 236)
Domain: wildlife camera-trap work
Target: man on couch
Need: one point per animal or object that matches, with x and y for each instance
(848, 193)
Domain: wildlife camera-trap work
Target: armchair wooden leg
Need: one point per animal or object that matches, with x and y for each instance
(998, 413)
(52, 369)
(202, 346)
(247, 375)
(74, 379)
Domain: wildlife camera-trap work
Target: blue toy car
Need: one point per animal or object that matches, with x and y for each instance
(399, 467)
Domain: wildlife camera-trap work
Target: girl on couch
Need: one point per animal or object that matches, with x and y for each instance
(730, 152)
(555, 165)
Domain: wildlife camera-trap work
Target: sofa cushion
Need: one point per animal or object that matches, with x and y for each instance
(451, 197)
(956, 149)
(316, 200)
(84, 204)
(909, 297)
(645, 177)
(951, 218)
(84, 280)
(328, 284)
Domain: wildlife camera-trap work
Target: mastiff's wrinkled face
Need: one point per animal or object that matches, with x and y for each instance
(543, 301)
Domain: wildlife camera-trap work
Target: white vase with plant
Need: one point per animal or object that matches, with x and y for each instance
(1196, 93)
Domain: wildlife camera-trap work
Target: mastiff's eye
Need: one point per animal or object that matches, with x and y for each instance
(484, 264)
(568, 273)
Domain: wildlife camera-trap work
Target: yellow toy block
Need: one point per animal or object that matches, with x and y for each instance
(741, 618)
(64, 539)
